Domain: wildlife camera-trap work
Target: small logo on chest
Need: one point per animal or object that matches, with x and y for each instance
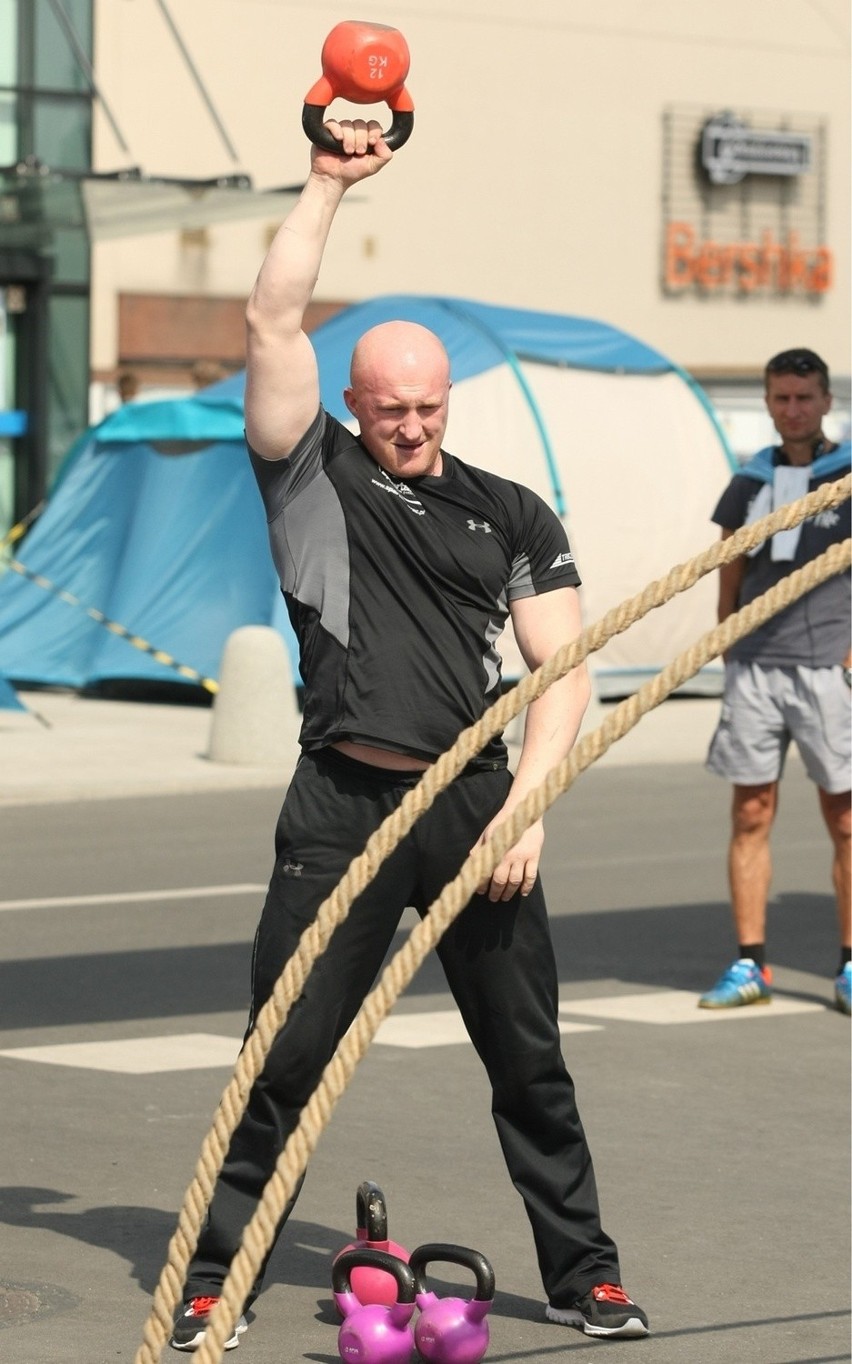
(478, 525)
(400, 490)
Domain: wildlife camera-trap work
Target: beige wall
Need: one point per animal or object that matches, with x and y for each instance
(534, 175)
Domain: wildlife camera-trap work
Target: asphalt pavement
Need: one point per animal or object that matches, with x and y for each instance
(132, 873)
(68, 746)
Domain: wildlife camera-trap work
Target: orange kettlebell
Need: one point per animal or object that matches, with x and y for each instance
(365, 64)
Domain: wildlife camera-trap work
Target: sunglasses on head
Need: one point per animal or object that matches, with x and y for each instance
(800, 365)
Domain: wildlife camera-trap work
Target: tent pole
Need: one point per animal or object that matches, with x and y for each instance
(512, 361)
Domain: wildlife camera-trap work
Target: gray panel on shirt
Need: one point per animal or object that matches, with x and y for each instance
(312, 532)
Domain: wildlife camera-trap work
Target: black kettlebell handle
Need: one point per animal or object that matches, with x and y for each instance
(371, 1213)
(313, 123)
(454, 1255)
(343, 1266)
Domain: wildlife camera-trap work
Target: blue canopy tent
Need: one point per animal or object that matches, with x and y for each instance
(155, 520)
(9, 698)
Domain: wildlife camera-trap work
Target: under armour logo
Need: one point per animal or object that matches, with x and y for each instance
(479, 525)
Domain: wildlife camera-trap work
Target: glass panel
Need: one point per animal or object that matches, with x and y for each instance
(8, 127)
(62, 132)
(8, 42)
(7, 355)
(7, 488)
(56, 65)
(71, 257)
(69, 376)
(7, 401)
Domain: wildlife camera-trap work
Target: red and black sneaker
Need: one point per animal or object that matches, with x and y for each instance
(605, 1310)
(188, 1330)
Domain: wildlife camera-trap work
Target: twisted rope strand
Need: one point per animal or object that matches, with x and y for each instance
(260, 1231)
(383, 841)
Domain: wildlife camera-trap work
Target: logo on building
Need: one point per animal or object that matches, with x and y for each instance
(744, 206)
(730, 151)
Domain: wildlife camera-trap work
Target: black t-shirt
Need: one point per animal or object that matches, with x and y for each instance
(398, 591)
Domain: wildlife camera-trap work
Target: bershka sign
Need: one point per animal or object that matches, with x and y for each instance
(747, 267)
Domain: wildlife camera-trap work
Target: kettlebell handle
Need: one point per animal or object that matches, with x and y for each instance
(313, 123)
(366, 64)
(470, 1259)
(371, 1213)
(373, 1259)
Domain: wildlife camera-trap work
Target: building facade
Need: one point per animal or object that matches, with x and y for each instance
(680, 171)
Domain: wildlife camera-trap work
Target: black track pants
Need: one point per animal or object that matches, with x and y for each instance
(499, 963)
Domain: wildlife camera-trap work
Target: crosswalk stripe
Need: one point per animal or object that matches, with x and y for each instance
(428, 1028)
(132, 897)
(137, 1055)
(679, 1006)
(440, 1028)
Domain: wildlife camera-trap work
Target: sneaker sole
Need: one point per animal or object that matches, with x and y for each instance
(189, 1346)
(565, 1316)
(735, 1003)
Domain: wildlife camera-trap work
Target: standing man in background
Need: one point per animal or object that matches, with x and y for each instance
(789, 679)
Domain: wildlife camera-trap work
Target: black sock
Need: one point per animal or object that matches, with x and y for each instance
(755, 950)
(845, 956)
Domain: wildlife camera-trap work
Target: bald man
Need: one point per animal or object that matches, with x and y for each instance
(400, 564)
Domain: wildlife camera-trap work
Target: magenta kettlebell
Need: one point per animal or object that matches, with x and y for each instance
(452, 1330)
(371, 1233)
(375, 1333)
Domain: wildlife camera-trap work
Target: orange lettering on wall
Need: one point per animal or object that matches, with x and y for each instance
(821, 273)
(747, 261)
(679, 241)
(786, 267)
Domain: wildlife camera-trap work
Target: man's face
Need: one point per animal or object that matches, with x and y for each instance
(797, 404)
(402, 421)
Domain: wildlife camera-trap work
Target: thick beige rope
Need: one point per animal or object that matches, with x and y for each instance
(364, 867)
(260, 1231)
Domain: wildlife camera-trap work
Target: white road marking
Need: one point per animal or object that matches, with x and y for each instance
(137, 1055)
(440, 1028)
(679, 1006)
(130, 897)
(431, 1028)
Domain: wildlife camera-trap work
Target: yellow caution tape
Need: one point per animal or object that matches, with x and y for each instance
(20, 529)
(112, 625)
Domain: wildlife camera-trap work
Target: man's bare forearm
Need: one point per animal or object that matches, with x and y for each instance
(289, 273)
(552, 725)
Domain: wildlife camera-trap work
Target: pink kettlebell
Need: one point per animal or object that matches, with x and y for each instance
(452, 1330)
(375, 1333)
(372, 1283)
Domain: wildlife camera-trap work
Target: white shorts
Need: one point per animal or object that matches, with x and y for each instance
(764, 708)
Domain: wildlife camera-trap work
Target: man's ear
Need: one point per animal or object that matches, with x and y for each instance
(351, 401)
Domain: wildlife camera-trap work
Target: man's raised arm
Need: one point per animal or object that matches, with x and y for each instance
(282, 384)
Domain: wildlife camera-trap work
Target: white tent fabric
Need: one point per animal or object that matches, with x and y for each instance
(640, 468)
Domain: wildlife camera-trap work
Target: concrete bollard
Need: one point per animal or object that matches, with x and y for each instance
(255, 718)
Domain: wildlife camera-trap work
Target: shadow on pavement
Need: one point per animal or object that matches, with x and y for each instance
(668, 947)
(140, 1236)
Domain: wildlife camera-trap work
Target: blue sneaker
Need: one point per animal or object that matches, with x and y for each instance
(843, 989)
(743, 983)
